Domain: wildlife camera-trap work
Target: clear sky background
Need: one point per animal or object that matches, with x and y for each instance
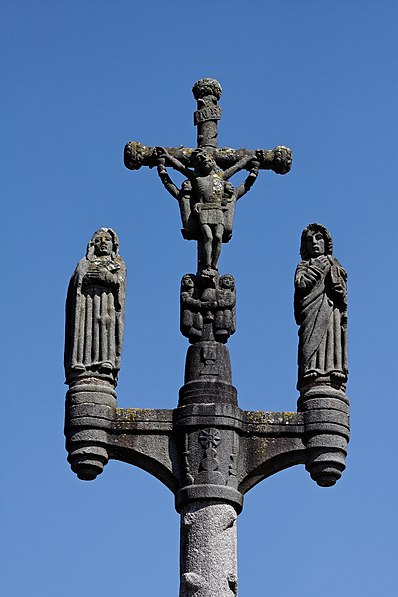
(80, 79)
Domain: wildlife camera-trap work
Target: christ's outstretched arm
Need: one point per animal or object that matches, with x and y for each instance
(249, 182)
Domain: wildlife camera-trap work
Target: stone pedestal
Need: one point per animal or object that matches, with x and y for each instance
(89, 414)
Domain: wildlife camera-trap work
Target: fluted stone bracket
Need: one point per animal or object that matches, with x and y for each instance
(213, 451)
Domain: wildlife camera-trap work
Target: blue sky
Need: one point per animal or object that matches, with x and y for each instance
(80, 79)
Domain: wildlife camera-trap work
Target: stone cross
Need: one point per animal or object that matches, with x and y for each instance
(207, 450)
(207, 198)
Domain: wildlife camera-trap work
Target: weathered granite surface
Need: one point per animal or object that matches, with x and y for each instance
(207, 198)
(207, 450)
(208, 307)
(94, 320)
(208, 550)
(320, 307)
(94, 327)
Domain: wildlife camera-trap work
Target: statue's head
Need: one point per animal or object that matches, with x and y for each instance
(188, 281)
(227, 281)
(104, 242)
(315, 241)
(203, 161)
(205, 87)
(186, 186)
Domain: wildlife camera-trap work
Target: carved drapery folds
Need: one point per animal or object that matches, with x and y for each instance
(320, 306)
(95, 311)
(93, 346)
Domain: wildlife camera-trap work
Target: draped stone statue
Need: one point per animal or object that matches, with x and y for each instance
(95, 311)
(320, 307)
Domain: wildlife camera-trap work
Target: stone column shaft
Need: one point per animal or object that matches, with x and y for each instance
(208, 550)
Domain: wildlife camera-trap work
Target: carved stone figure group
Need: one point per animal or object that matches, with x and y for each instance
(96, 298)
(208, 313)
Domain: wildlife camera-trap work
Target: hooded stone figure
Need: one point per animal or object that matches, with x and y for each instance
(320, 308)
(95, 310)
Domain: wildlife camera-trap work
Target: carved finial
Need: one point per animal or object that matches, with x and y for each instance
(205, 87)
(207, 92)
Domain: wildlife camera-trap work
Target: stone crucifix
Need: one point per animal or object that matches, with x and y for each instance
(207, 450)
(206, 198)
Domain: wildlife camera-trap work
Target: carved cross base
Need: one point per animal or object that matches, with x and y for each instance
(208, 452)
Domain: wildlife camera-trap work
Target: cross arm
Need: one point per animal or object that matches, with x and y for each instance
(240, 165)
(278, 159)
(137, 155)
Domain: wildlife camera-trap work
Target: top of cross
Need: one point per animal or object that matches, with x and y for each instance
(207, 92)
(205, 87)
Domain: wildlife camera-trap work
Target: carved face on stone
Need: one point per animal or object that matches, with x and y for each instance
(203, 162)
(187, 281)
(103, 243)
(227, 281)
(310, 245)
(315, 243)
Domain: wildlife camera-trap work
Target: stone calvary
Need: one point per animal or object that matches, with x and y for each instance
(207, 450)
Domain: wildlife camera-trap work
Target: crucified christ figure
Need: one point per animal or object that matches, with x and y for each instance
(211, 201)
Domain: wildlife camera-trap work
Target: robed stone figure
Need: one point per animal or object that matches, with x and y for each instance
(320, 307)
(95, 310)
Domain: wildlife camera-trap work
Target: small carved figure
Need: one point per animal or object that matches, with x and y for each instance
(95, 310)
(225, 317)
(212, 204)
(320, 307)
(191, 319)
